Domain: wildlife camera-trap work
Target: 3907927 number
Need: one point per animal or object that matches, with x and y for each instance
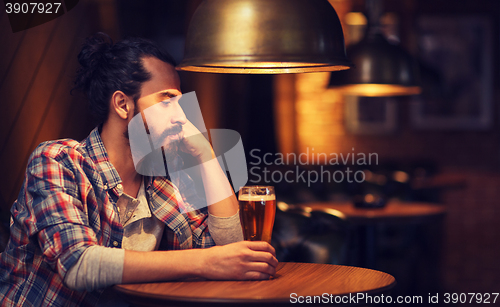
(32, 8)
(469, 298)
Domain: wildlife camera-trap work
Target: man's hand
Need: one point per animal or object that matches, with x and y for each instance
(243, 260)
(193, 142)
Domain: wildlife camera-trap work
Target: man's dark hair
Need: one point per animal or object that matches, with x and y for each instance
(107, 67)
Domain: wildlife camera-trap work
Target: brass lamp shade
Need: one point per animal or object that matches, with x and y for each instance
(264, 37)
(382, 69)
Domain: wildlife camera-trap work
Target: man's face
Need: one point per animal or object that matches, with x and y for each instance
(165, 120)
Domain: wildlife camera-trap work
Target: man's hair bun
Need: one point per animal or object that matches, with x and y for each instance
(94, 50)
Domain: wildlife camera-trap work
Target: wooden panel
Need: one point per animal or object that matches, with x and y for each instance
(59, 102)
(8, 50)
(36, 100)
(19, 69)
(22, 74)
(35, 94)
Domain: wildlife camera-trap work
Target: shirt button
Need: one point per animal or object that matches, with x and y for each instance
(115, 243)
(119, 186)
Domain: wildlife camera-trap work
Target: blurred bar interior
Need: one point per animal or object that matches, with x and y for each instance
(441, 146)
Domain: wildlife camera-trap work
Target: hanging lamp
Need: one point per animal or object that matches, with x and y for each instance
(264, 37)
(381, 68)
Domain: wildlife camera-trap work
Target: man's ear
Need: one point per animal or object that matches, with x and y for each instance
(121, 104)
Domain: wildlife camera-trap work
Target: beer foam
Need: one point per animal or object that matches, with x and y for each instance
(248, 197)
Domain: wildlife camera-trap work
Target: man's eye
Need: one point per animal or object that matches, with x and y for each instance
(166, 102)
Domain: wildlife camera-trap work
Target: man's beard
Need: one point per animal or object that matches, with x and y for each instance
(170, 148)
(156, 162)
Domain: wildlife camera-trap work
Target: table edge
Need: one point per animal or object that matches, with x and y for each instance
(131, 293)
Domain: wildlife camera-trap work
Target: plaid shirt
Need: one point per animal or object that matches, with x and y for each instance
(67, 203)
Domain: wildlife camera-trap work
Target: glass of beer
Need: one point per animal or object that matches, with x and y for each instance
(257, 211)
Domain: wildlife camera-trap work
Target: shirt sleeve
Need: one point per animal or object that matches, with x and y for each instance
(225, 230)
(98, 267)
(55, 213)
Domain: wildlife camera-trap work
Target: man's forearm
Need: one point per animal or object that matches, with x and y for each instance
(98, 266)
(219, 193)
(238, 261)
(161, 265)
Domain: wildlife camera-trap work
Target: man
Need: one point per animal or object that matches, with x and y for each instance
(81, 202)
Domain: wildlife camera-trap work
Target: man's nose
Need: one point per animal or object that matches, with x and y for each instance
(178, 115)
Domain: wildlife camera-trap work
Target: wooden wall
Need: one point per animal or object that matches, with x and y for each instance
(36, 74)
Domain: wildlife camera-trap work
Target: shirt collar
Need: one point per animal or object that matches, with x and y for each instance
(99, 155)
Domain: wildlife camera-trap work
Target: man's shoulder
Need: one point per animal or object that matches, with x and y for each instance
(57, 149)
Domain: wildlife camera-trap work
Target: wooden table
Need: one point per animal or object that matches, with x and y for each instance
(304, 279)
(394, 211)
(366, 219)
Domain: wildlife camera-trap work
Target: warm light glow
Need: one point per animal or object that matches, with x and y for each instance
(335, 212)
(283, 206)
(379, 90)
(244, 17)
(266, 64)
(400, 176)
(355, 19)
(263, 67)
(369, 198)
